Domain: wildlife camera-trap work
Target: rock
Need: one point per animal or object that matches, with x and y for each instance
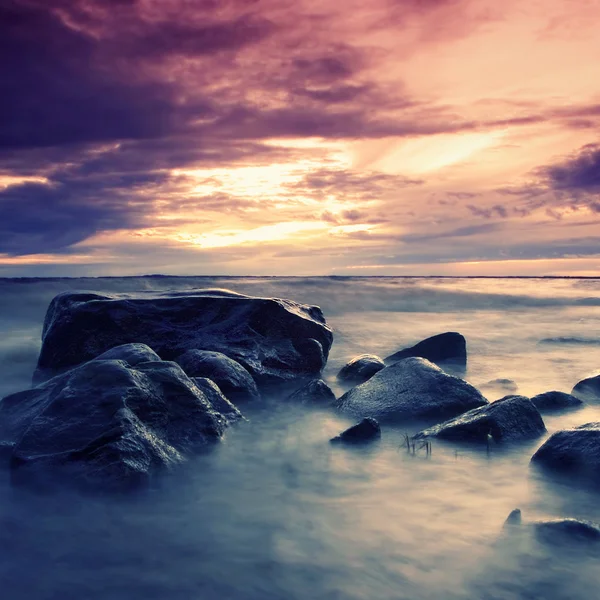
(512, 418)
(557, 531)
(365, 431)
(560, 531)
(443, 349)
(233, 380)
(500, 385)
(361, 368)
(107, 425)
(132, 354)
(574, 451)
(514, 518)
(275, 340)
(314, 392)
(553, 401)
(217, 400)
(411, 389)
(588, 389)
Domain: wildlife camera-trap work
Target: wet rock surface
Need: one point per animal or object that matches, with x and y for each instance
(365, 431)
(275, 340)
(360, 368)
(314, 392)
(573, 451)
(555, 401)
(411, 389)
(513, 418)
(233, 380)
(217, 399)
(107, 425)
(444, 349)
(588, 389)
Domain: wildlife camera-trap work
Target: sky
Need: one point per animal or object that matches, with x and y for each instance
(299, 137)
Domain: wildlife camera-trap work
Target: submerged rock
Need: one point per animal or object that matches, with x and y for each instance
(512, 418)
(411, 389)
(553, 401)
(588, 389)
(501, 385)
(314, 392)
(107, 425)
(217, 399)
(365, 431)
(233, 380)
(574, 451)
(557, 531)
(275, 340)
(361, 368)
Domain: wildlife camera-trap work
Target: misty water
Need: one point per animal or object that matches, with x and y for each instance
(276, 512)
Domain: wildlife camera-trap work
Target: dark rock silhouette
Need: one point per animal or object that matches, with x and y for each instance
(588, 389)
(556, 531)
(361, 368)
(574, 451)
(411, 389)
(233, 380)
(512, 418)
(365, 431)
(107, 425)
(314, 392)
(554, 401)
(275, 340)
(444, 349)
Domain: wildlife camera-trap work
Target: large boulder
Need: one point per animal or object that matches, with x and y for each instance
(315, 392)
(512, 418)
(573, 451)
(554, 401)
(360, 368)
(107, 425)
(588, 389)
(233, 380)
(275, 340)
(444, 349)
(411, 389)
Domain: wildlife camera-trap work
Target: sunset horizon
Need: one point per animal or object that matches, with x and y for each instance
(416, 137)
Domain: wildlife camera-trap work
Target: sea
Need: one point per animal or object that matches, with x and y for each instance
(276, 512)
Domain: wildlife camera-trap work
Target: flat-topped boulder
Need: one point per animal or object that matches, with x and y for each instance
(512, 418)
(360, 368)
(233, 380)
(444, 349)
(274, 340)
(555, 401)
(588, 389)
(411, 389)
(107, 425)
(574, 451)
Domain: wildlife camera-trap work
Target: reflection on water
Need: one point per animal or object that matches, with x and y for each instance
(276, 512)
